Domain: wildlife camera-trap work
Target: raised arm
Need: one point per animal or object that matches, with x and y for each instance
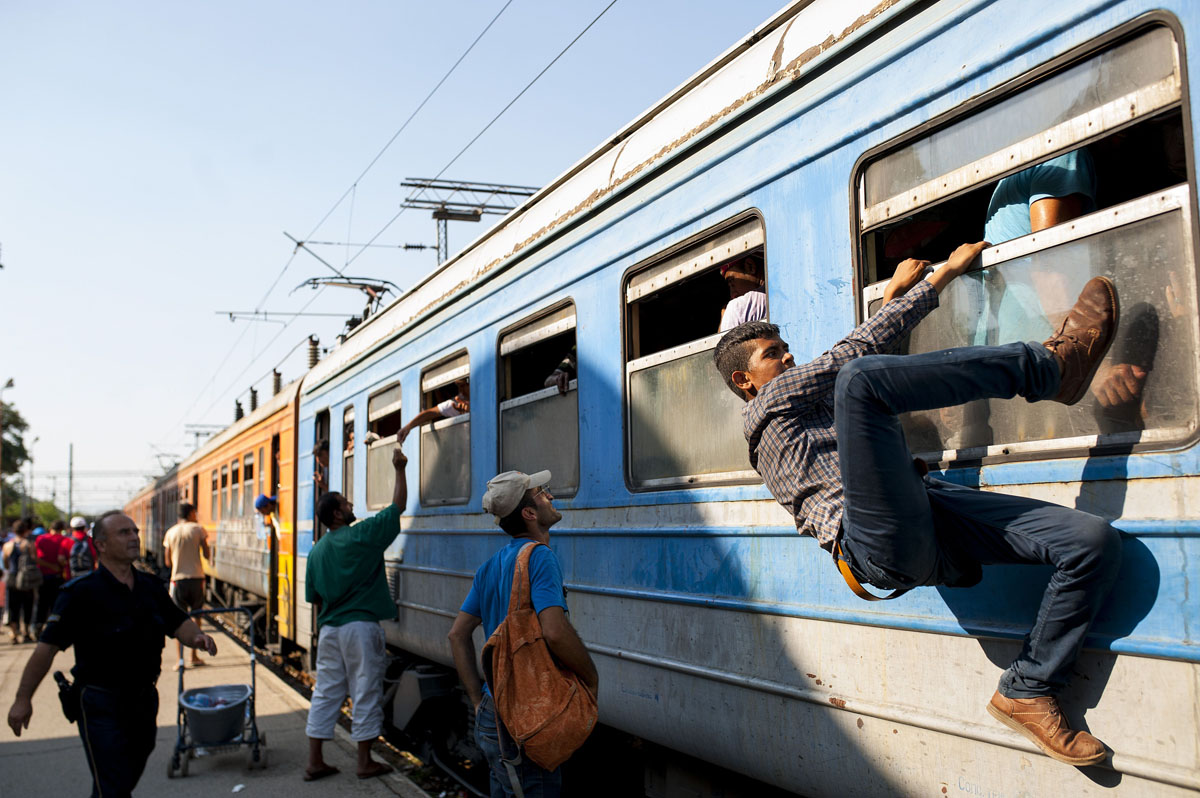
(400, 488)
(462, 645)
(424, 417)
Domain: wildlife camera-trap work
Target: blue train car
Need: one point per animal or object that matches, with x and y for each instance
(833, 141)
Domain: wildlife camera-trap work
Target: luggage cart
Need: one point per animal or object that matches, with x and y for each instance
(218, 729)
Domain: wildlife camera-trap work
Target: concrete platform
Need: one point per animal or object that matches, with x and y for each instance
(48, 760)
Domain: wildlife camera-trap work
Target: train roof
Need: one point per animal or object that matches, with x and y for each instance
(285, 397)
(783, 49)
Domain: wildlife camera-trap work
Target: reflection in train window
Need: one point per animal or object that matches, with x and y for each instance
(383, 422)
(1081, 173)
(213, 512)
(539, 400)
(348, 453)
(224, 492)
(249, 494)
(673, 313)
(446, 442)
(235, 503)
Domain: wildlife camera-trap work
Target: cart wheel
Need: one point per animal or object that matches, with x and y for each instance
(172, 765)
(183, 765)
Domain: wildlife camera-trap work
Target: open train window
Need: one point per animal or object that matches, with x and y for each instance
(446, 441)
(248, 493)
(1080, 171)
(539, 399)
(235, 503)
(213, 509)
(676, 306)
(348, 453)
(383, 422)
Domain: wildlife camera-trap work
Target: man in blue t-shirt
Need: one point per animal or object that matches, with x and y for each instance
(524, 509)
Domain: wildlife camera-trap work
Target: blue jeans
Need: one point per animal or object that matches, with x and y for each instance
(901, 529)
(536, 782)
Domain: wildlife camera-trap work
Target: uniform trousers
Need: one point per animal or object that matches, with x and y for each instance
(351, 660)
(117, 728)
(901, 529)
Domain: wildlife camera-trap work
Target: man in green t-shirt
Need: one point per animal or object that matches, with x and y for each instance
(347, 584)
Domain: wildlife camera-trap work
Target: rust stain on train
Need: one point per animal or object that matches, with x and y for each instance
(840, 703)
(788, 73)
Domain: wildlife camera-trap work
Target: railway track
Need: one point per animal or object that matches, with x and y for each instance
(436, 777)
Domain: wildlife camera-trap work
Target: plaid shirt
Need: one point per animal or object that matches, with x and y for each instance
(789, 425)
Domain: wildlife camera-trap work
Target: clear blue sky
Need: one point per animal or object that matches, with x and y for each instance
(152, 154)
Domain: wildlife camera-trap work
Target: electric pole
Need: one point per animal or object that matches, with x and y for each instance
(461, 201)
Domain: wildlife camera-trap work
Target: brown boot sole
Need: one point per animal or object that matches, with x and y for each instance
(1020, 729)
(1087, 381)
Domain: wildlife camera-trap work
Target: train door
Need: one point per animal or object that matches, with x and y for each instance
(321, 468)
(274, 588)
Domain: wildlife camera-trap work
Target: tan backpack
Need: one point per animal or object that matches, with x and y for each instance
(546, 708)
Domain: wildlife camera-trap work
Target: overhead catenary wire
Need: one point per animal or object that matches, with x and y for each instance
(352, 188)
(486, 127)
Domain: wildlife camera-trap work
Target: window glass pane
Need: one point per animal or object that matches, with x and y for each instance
(541, 434)
(213, 507)
(446, 461)
(248, 486)
(382, 402)
(234, 497)
(684, 422)
(224, 492)
(456, 368)
(380, 474)
(348, 476)
(1150, 263)
(1071, 94)
(548, 326)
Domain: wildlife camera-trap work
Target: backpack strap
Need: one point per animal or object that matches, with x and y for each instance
(520, 597)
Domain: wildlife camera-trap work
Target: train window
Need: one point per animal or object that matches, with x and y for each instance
(212, 509)
(383, 422)
(235, 504)
(348, 453)
(673, 320)
(446, 441)
(539, 407)
(1097, 186)
(248, 492)
(224, 491)
(262, 467)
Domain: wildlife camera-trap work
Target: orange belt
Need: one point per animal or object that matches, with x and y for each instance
(858, 589)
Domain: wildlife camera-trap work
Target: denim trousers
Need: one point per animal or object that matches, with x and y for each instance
(117, 729)
(901, 529)
(535, 782)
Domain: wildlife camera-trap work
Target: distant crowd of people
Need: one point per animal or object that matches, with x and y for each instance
(36, 562)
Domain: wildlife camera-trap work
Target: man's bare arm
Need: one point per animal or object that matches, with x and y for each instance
(463, 647)
(400, 488)
(190, 635)
(35, 670)
(565, 644)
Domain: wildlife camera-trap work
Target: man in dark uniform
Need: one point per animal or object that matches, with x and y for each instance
(117, 618)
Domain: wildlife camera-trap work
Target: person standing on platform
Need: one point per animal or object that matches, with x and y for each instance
(117, 618)
(18, 553)
(183, 546)
(347, 583)
(523, 508)
(50, 561)
(83, 552)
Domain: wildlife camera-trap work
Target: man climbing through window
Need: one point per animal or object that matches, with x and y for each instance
(827, 441)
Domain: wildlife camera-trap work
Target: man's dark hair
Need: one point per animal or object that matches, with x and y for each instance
(186, 509)
(733, 350)
(21, 527)
(58, 525)
(327, 505)
(322, 446)
(513, 523)
(99, 533)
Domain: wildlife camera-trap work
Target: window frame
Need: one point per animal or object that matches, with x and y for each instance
(214, 510)
(349, 418)
(630, 365)
(235, 487)
(1181, 198)
(248, 496)
(390, 440)
(536, 335)
(425, 387)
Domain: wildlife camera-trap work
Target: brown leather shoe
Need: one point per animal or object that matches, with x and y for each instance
(1042, 721)
(1084, 337)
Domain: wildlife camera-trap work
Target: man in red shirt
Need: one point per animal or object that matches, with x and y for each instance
(50, 562)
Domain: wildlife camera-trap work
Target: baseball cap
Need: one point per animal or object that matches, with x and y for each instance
(77, 522)
(504, 491)
(262, 502)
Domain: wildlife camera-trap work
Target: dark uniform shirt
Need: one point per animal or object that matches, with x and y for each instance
(118, 633)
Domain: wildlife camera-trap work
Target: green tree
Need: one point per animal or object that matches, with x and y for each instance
(13, 456)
